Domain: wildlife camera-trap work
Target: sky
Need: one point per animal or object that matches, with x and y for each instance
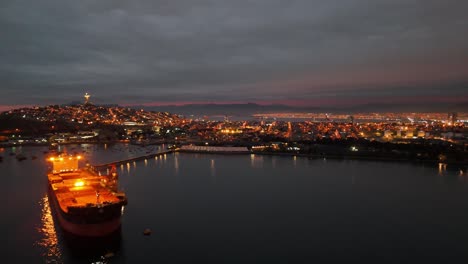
(307, 53)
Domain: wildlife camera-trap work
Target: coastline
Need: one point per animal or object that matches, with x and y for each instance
(460, 164)
(366, 158)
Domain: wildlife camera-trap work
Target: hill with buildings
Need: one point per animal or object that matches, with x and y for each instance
(431, 137)
(80, 118)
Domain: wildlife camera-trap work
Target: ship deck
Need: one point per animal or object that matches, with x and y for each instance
(80, 189)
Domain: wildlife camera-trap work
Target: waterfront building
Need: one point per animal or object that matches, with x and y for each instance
(452, 118)
(421, 134)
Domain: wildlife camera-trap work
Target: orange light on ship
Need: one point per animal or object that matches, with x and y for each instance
(52, 159)
(79, 183)
(79, 157)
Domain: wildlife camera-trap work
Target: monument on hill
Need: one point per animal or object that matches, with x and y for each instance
(87, 96)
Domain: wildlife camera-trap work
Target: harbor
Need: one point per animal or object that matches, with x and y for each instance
(194, 201)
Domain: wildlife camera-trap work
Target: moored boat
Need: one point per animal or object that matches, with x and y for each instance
(20, 157)
(86, 203)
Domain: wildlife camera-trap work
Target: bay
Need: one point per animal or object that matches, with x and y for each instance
(246, 208)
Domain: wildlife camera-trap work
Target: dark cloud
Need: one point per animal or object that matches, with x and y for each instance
(143, 51)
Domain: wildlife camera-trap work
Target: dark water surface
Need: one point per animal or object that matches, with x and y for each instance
(205, 208)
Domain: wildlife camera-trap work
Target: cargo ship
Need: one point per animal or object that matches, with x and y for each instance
(86, 203)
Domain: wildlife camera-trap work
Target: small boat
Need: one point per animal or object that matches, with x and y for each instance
(20, 157)
(147, 232)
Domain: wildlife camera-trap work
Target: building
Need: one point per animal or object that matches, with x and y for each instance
(452, 118)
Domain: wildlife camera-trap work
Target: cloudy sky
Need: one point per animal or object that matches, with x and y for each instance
(307, 52)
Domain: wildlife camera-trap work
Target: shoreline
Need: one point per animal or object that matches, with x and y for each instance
(307, 155)
(366, 158)
(334, 157)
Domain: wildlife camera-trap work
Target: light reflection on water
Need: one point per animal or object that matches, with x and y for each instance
(256, 161)
(47, 229)
(442, 169)
(99, 250)
(176, 164)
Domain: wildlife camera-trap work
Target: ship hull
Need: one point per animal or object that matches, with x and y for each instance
(97, 229)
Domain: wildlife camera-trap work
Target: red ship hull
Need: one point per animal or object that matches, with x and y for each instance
(89, 230)
(99, 229)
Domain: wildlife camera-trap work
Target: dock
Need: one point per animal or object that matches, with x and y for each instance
(125, 161)
(193, 149)
(214, 149)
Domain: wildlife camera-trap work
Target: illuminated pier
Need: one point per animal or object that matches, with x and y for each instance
(120, 162)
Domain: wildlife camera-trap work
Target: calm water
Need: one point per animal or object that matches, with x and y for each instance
(247, 209)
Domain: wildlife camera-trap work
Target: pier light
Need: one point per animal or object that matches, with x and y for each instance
(79, 157)
(52, 159)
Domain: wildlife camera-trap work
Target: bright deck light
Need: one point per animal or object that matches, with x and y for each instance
(79, 183)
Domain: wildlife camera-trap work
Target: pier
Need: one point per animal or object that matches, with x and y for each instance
(124, 161)
(202, 149)
(214, 149)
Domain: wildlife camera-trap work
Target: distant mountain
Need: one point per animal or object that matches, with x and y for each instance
(221, 109)
(252, 108)
(400, 108)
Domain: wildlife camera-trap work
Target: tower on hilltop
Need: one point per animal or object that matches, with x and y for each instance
(86, 97)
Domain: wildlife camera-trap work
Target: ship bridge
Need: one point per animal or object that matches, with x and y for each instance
(64, 163)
